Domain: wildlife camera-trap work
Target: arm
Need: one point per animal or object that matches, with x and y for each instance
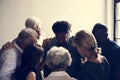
(7, 45)
(31, 76)
(8, 64)
(45, 42)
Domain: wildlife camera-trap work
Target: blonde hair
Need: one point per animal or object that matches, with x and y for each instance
(87, 40)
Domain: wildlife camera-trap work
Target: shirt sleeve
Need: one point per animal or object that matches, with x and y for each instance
(8, 64)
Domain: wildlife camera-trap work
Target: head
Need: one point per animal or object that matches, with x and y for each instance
(100, 32)
(58, 58)
(32, 55)
(34, 23)
(25, 37)
(86, 44)
(61, 30)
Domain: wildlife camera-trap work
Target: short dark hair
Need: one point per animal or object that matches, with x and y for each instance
(61, 26)
(99, 26)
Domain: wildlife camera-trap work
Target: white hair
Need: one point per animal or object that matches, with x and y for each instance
(31, 21)
(58, 58)
(25, 36)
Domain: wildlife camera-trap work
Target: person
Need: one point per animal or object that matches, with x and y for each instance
(61, 30)
(35, 23)
(32, 22)
(110, 49)
(95, 66)
(30, 67)
(58, 59)
(10, 59)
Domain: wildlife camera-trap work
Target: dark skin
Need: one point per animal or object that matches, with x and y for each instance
(101, 37)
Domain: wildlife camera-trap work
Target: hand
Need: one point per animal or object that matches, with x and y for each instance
(46, 41)
(7, 45)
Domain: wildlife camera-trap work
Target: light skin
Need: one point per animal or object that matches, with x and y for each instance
(80, 50)
(32, 40)
(31, 76)
(9, 45)
(83, 52)
(36, 27)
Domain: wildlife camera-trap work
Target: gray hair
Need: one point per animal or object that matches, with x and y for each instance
(58, 58)
(25, 36)
(31, 21)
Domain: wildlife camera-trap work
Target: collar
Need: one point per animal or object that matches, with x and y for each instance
(58, 73)
(18, 47)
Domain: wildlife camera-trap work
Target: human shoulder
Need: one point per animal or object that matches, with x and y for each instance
(8, 59)
(49, 42)
(8, 52)
(31, 76)
(113, 44)
(103, 59)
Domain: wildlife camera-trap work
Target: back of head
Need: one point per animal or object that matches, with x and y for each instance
(86, 39)
(58, 58)
(97, 27)
(32, 55)
(31, 21)
(61, 27)
(100, 32)
(27, 36)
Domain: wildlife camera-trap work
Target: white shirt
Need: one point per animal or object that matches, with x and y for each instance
(10, 59)
(59, 75)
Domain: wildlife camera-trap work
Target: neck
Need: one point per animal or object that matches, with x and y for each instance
(94, 59)
(20, 45)
(59, 70)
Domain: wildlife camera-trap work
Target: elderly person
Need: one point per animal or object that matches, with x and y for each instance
(58, 59)
(35, 24)
(10, 59)
(31, 63)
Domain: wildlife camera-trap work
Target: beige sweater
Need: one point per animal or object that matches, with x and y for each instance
(59, 75)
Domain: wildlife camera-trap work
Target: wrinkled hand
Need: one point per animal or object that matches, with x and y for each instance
(7, 45)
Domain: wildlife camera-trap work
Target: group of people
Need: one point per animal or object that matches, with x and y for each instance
(85, 56)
